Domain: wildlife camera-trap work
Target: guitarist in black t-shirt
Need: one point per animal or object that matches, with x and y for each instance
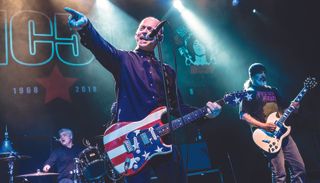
(264, 101)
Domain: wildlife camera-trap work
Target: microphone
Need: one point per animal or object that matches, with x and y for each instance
(155, 31)
(55, 139)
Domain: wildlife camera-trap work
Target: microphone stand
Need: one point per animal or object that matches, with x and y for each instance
(231, 167)
(165, 87)
(164, 83)
(10, 166)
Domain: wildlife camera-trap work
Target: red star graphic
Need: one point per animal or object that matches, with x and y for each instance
(56, 85)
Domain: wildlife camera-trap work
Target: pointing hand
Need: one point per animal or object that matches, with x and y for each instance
(76, 19)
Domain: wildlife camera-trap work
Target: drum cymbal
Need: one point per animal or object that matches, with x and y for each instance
(93, 141)
(37, 174)
(98, 137)
(14, 157)
(5, 153)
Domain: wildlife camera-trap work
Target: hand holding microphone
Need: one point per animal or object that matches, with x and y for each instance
(76, 20)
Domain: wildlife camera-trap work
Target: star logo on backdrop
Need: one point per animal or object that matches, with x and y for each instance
(56, 85)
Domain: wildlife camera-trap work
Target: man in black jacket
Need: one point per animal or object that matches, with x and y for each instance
(62, 158)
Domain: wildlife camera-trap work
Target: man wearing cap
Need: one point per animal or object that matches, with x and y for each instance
(266, 100)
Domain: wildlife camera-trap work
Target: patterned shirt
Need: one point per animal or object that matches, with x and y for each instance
(265, 100)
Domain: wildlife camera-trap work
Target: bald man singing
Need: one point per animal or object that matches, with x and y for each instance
(139, 87)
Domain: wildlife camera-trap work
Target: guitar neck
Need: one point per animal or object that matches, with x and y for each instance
(184, 120)
(291, 108)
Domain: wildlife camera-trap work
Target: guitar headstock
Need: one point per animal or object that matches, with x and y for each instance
(235, 98)
(310, 83)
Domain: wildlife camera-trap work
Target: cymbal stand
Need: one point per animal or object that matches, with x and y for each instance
(11, 166)
(76, 171)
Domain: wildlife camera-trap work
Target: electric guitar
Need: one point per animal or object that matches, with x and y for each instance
(130, 145)
(271, 142)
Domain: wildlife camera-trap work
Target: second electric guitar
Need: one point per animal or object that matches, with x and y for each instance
(271, 141)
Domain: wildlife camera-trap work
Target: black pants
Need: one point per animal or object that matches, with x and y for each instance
(167, 168)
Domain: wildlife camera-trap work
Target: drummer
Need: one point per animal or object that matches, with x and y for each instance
(62, 158)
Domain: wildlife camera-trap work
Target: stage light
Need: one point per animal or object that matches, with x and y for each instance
(217, 43)
(194, 23)
(254, 11)
(235, 2)
(109, 19)
(178, 5)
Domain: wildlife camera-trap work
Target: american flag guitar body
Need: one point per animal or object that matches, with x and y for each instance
(130, 145)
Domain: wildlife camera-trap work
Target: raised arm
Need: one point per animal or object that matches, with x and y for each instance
(104, 52)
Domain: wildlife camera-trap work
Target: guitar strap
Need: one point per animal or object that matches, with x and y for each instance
(166, 80)
(114, 111)
(167, 85)
(169, 82)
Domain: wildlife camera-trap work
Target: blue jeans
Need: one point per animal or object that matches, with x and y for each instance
(288, 153)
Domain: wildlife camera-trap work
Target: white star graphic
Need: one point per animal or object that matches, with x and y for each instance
(236, 100)
(159, 150)
(137, 132)
(135, 146)
(249, 96)
(145, 155)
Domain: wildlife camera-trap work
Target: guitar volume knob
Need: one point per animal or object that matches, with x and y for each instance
(137, 159)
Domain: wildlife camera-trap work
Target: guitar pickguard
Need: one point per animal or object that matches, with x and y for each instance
(146, 144)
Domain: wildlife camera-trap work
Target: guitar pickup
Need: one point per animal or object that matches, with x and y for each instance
(153, 134)
(128, 146)
(266, 141)
(144, 138)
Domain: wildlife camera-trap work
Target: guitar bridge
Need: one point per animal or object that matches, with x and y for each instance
(266, 141)
(128, 146)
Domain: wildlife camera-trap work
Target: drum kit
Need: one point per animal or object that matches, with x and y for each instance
(91, 166)
(38, 175)
(9, 155)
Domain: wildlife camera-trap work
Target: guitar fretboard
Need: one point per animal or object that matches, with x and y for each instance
(177, 123)
(186, 119)
(291, 108)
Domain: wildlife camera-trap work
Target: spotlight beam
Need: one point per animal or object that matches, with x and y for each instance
(194, 24)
